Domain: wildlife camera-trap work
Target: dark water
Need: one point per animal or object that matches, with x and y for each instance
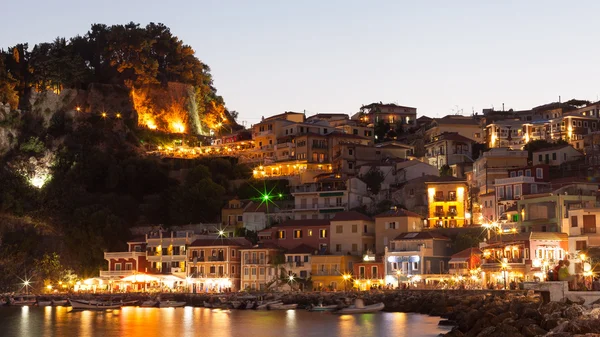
(189, 321)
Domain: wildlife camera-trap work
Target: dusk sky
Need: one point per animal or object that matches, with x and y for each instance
(334, 56)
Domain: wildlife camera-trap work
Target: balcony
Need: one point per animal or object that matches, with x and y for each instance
(116, 273)
(293, 264)
(216, 258)
(285, 145)
(123, 255)
(588, 230)
(515, 180)
(196, 259)
(328, 273)
(262, 133)
(493, 261)
(257, 261)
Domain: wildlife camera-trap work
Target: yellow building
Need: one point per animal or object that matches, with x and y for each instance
(447, 199)
(332, 272)
(232, 214)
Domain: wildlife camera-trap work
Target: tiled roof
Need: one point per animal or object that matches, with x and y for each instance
(421, 236)
(450, 136)
(444, 179)
(302, 249)
(408, 163)
(303, 223)
(243, 242)
(456, 120)
(398, 212)
(554, 148)
(467, 253)
(350, 216)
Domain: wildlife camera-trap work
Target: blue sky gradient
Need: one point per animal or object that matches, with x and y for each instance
(334, 56)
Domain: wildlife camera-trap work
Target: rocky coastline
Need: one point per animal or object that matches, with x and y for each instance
(477, 313)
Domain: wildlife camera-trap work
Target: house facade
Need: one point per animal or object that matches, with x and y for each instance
(390, 224)
(583, 229)
(121, 264)
(166, 251)
(328, 272)
(557, 155)
(447, 199)
(369, 273)
(449, 148)
(352, 233)
(314, 233)
(259, 270)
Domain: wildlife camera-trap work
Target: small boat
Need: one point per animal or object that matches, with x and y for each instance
(22, 300)
(60, 303)
(265, 305)
(149, 304)
(93, 305)
(129, 303)
(171, 304)
(44, 303)
(359, 307)
(207, 305)
(250, 305)
(281, 306)
(321, 307)
(236, 304)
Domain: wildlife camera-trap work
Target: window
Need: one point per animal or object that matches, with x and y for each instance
(517, 191)
(128, 266)
(374, 273)
(253, 271)
(539, 173)
(339, 229)
(233, 253)
(513, 174)
(520, 174)
(415, 265)
(354, 247)
(310, 232)
(350, 152)
(534, 189)
(232, 269)
(564, 156)
(338, 247)
(581, 245)
(213, 269)
(553, 155)
(305, 258)
(298, 234)
(354, 228)
(246, 271)
(391, 225)
(281, 234)
(117, 266)
(322, 233)
(540, 158)
(361, 272)
(573, 221)
(501, 192)
(528, 173)
(262, 271)
(411, 192)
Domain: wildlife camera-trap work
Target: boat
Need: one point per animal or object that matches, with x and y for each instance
(236, 304)
(359, 307)
(44, 303)
(171, 304)
(250, 305)
(94, 305)
(22, 300)
(281, 306)
(129, 303)
(321, 307)
(149, 304)
(207, 305)
(265, 305)
(60, 303)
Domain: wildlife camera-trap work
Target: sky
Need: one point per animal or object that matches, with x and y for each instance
(441, 57)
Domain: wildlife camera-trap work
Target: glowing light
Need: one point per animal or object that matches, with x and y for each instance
(78, 109)
(291, 278)
(221, 232)
(582, 257)
(178, 126)
(431, 192)
(49, 287)
(118, 115)
(151, 125)
(103, 115)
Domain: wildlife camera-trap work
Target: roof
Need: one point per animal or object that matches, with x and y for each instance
(302, 249)
(386, 105)
(554, 148)
(350, 216)
(263, 245)
(457, 120)
(488, 194)
(141, 238)
(444, 179)
(466, 253)
(243, 242)
(397, 212)
(547, 236)
(304, 223)
(454, 136)
(408, 163)
(261, 207)
(420, 236)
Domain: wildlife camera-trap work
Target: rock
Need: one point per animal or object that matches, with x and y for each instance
(573, 311)
(532, 314)
(574, 299)
(523, 322)
(533, 330)
(447, 322)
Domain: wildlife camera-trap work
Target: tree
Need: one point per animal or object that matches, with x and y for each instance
(8, 86)
(465, 240)
(373, 179)
(381, 130)
(540, 144)
(445, 171)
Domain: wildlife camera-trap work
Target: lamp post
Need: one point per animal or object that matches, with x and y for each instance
(504, 266)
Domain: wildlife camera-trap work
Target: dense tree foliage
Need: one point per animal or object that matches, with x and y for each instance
(540, 144)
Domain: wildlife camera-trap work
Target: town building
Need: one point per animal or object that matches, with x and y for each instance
(167, 251)
(259, 270)
(232, 214)
(349, 156)
(466, 262)
(411, 169)
(259, 215)
(521, 257)
(369, 273)
(466, 126)
(389, 113)
(412, 194)
(548, 212)
(298, 262)
(290, 234)
(449, 148)
(447, 199)
(494, 164)
(556, 155)
(122, 264)
(390, 224)
(521, 181)
(583, 230)
(215, 264)
(332, 272)
(352, 233)
(424, 254)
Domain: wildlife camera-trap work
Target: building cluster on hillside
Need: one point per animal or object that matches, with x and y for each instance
(377, 199)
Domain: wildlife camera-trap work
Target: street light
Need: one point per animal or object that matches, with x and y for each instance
(346, 277)
(504, 266)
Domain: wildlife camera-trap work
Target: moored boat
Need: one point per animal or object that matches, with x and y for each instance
(321, 307)
(22, 300)
(60, 303)
(44, 303)
(265, 305)
(281, 306)
(171, 304)
(149, 304)
(359, 307)
(93, 305)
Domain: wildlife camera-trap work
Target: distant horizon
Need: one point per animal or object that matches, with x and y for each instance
(335, 56)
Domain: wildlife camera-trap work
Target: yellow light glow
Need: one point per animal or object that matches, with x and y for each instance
(151, 125)
(178, 126)
(431, 192)
(460, 193)
(118, 115)
(103, 115)
(493, 142)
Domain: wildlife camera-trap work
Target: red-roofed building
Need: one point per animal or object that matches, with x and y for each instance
(369, 273)
(292, 233)
(215, 264)
(121, 264)
(390, 224)
(465, 261)
(352, 233)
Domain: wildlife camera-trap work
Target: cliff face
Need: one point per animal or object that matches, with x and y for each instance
(9, 128)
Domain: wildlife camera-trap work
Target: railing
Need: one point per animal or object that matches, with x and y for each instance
(588, 230)
(216, 258)
(515, 180)
(438, 198)
(499, 261)
(256, 261)
(114, 273)
(123, 255)
(296, 263)
(197, 258)
(328, 273)
(262, 133)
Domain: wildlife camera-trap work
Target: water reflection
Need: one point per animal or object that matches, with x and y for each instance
(188, 322)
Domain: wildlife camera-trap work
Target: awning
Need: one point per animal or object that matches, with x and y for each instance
(459, 260)
(142, 278)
